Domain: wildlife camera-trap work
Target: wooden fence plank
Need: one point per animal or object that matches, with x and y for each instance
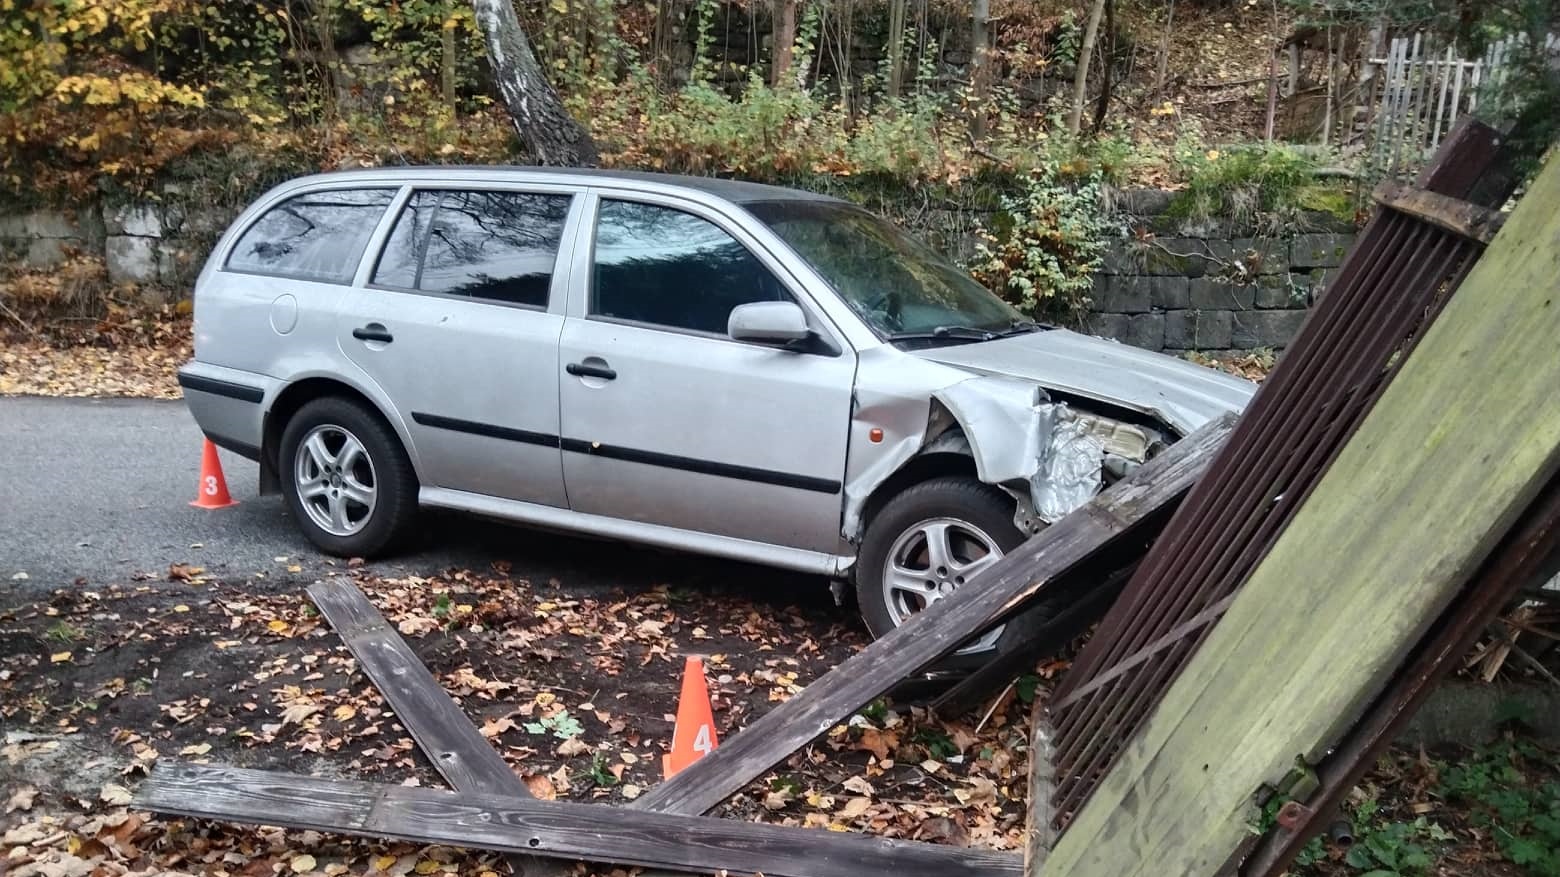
(998, 591)
(549, 828)
(1470, 220)
(1457, 446)
(441, 728)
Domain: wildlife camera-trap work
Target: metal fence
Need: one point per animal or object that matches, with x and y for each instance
(1421, 88)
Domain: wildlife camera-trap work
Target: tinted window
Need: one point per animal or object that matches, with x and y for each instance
(890, 279)
(500, 246)
(403, 251)
(663, 266)
(318, 236)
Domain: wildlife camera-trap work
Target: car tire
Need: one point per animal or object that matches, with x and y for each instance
(973, 512)
(347, 480)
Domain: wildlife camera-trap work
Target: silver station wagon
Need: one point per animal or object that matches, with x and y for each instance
(714, 366)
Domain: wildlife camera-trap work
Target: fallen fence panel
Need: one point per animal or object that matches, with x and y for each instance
(1451, 455)
(441, 728)
(549, 828)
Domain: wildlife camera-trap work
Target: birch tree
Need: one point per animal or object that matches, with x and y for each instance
(549, 133)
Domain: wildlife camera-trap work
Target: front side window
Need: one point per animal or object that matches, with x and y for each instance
(667, 267)
(895, 283)
(496, 246)
(319, 236)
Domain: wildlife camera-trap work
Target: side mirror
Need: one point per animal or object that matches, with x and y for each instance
(768, 322)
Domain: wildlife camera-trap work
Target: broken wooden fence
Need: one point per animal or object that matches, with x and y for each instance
(490, 808)
(1367, 484)
(1309, 408)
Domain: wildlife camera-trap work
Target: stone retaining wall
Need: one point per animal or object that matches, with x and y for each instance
(1172, 285)
(155, 247)
(1214, 287)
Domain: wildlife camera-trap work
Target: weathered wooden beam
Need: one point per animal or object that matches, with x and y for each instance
(1459, 217)
(997, 592)
(1019, 657)
(549, 828)
(441, 728)
(1456, 447)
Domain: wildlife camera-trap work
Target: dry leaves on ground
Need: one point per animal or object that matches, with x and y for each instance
(38, 368)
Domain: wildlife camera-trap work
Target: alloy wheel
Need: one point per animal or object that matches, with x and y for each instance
(932, 559)
(335, 480)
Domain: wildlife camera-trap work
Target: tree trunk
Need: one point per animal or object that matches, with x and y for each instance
(896, 47)
(784, 52)
(325, 31)
(1085, 56)
(979, 61)
(1107, 67)
(1162, 66)
(447, 61)
(546, 129)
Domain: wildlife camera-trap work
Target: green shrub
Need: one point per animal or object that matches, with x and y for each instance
(1046, 244)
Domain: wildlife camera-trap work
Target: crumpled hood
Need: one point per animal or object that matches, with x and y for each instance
(1180, 393)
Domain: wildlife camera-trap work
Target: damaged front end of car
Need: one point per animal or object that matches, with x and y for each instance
(1049, 455)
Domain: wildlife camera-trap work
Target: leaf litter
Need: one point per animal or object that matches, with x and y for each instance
(576, 690)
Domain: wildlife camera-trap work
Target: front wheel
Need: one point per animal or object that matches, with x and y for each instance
(925, 543)
(347, 481)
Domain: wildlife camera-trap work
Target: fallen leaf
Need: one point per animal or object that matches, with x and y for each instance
(302, 864)
(114, 794)
(541, 787)
(59, 657)
(631, 791)
(196, 749)
(21, 799)
(344, 712)
(183, 572)
(855, 807)
(573, 746)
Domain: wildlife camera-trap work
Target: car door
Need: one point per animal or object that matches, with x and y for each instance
(665, 419)
(458, 322)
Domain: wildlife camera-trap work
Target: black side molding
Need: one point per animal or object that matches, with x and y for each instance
(242, 392)
(703, 467)
(631, 455)
(485, 429)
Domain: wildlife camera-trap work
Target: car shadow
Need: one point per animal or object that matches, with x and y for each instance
(582, 564)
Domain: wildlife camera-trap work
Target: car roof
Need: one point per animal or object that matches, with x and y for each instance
(735, 191)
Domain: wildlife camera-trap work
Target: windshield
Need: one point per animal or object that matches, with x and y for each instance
(897, 284)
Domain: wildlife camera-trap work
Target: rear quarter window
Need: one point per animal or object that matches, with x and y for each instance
(316, 236)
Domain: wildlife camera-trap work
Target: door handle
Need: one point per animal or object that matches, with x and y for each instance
(373, 332)
(581, 370)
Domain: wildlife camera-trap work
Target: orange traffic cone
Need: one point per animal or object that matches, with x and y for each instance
(213, 492)
(694, 736)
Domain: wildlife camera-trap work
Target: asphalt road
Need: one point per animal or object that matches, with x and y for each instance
(99, 490)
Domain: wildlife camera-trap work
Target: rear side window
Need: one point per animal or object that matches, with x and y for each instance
(666, 267)
(496, 246)
(318, 236)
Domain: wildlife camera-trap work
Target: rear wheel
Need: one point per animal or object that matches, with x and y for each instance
(927, 542)
(347, 480)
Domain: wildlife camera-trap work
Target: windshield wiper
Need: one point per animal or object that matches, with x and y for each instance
(957, 333)
(1020, 327)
